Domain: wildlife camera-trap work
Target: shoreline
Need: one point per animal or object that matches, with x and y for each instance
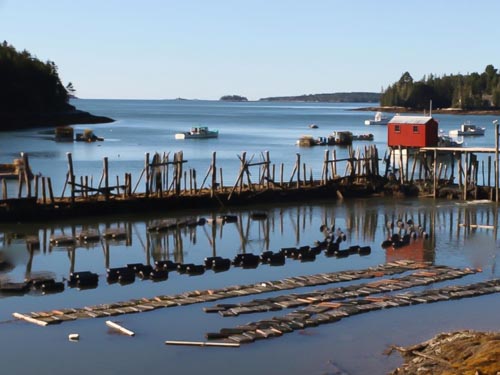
(449, 111)
(18, 121)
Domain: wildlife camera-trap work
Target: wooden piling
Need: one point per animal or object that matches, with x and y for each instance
(4, 189)
(214, 174)
(44, 196)
(26, 172)
(51, 193)
(71, 176)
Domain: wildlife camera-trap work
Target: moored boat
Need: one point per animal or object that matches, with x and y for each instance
(200, 132)
(87, 136)
(341, 138)
(379, 119)
(467, 129)
(363, 137)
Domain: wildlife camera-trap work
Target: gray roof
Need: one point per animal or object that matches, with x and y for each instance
(416, 120)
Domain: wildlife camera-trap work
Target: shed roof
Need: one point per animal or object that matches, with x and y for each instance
(415, 120)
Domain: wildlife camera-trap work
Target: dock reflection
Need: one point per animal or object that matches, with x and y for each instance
(29, 252)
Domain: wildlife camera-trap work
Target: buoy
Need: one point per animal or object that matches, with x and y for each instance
(74, 337)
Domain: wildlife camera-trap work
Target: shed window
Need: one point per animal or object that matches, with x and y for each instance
(415, 129)
(397, 128)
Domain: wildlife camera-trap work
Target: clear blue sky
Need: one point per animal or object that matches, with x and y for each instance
(156, 49)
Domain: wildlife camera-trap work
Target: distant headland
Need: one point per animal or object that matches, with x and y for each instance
(338, 97)
(32, 95)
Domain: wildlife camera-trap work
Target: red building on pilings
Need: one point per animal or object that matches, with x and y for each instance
(412, 131)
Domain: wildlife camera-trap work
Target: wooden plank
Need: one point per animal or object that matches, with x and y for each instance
(118, 327)
(29, 319)
(203, 343)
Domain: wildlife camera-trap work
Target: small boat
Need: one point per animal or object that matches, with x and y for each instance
(313, 126)
(309, 141)
(379, 119)
(363, 137)
(87, 136)
(447, 141)
(467, 129)
(342, 138)
(200, 132)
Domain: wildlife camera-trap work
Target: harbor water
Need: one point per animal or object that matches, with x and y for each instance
(453, 233)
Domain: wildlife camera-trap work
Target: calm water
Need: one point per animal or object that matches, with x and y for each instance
(354, 344)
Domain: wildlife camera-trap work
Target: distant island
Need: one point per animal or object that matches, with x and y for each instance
(233, 98)
(338, 97)
(32, 95)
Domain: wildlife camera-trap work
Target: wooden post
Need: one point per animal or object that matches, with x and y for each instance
(106, 178)
(282, 167)
(221, 179)
(304, 173)
(20, 180)
(51, 193)
(146, 168)
(214, 174)
(434, 174)
(414, 165)
(324, 175)
(297, 165)
(4, 189)
(36, 186)
(44, 195)
(71, 176)
(489, 171)
(195, 187)
(268, 171)
(466, 177)
(26, 170)
(242, 169)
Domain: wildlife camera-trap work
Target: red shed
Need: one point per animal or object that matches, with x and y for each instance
(412, 131)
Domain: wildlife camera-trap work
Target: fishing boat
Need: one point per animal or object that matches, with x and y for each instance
(341, 138)
(379, 119)
(363, 137)
(200, 132)
(467, 129)
(447, 141)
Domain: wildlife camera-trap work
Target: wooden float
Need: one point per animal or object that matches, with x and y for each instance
(211, 295)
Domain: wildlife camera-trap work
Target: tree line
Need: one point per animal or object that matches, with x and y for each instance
(465, 91)
(337, 97)
(29, 85)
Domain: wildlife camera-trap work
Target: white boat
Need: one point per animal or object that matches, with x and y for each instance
(200, 132)
(446, 141)
(378, 120)
(467, 129)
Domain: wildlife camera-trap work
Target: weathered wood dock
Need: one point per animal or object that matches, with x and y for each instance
(166, 183)
(428, 275)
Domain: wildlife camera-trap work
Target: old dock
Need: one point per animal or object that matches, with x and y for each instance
(166, 182)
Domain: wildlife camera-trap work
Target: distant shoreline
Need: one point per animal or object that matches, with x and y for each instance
(449, 111)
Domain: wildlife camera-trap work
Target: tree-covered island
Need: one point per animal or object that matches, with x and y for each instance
(233, 98)
(464, 92)
(32, 95)
(337, 97)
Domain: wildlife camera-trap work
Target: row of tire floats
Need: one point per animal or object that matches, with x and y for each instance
(160, 271)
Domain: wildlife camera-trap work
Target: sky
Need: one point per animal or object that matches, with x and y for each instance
(204, 49)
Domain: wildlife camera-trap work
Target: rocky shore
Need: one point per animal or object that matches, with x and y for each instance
(463, 352)
(16, 121)
(449, 111)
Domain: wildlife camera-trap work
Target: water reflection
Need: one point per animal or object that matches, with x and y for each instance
(458, 234)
